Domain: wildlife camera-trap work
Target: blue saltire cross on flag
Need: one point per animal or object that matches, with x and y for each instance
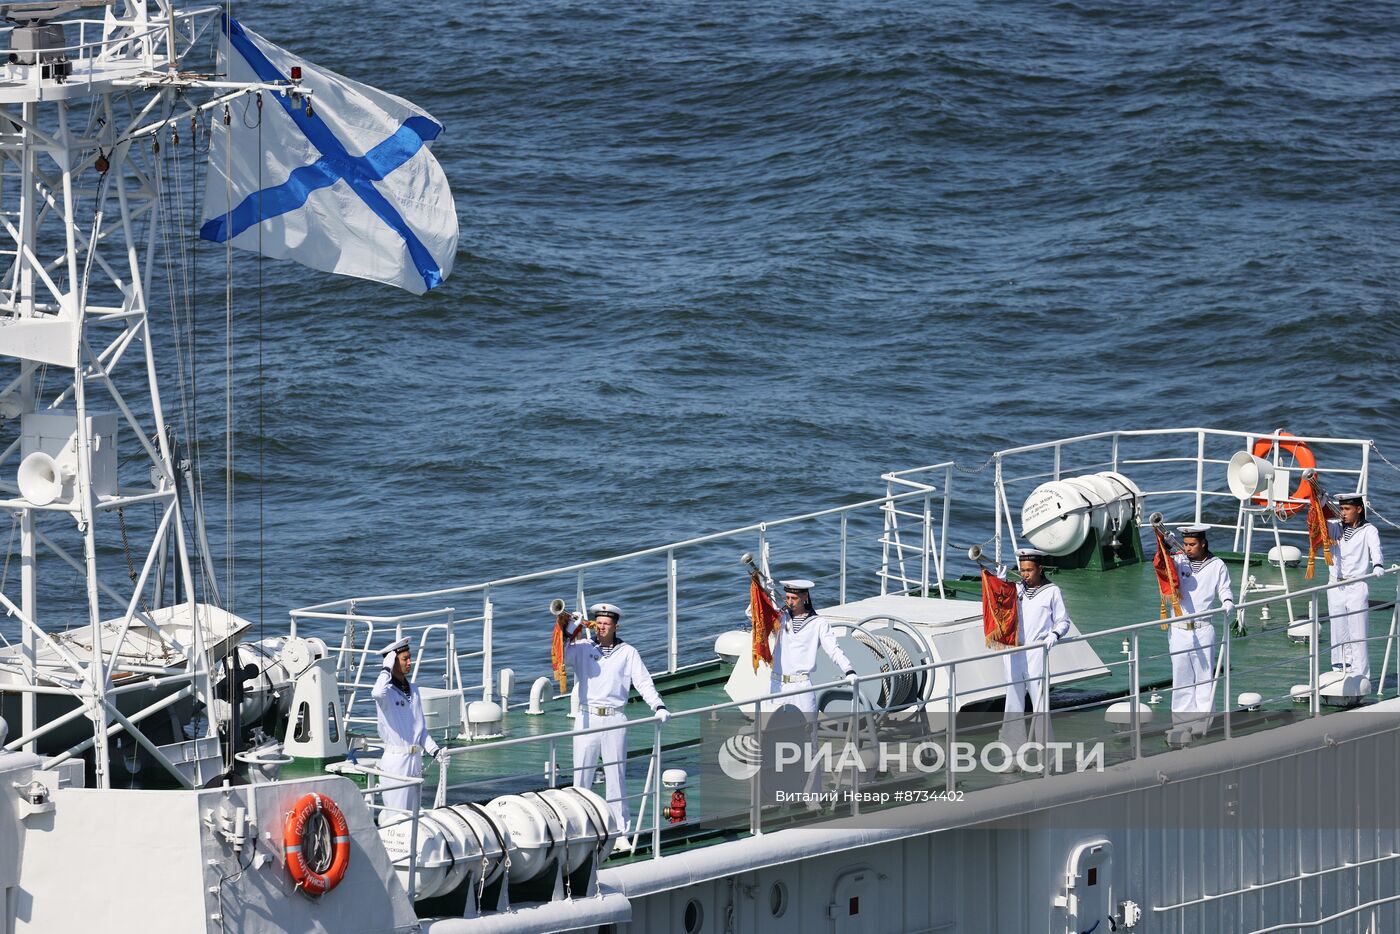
(352, 189)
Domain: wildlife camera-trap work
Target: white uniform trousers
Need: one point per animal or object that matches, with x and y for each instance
(1347, 609)
(399, 762)
(1193, 676)
(807, 703)
(1025, 673)
(611, 746)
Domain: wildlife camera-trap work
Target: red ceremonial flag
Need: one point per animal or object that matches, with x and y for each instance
(556, 651)
(1000, 619)
(1168, 580)
(766, 620)
(1317, 532)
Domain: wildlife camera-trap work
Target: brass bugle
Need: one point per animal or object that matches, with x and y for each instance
(1156, 520)
(975, 555)
(558, 608)
(1319, 491)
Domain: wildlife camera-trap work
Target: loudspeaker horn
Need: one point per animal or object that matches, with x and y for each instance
(42, 479)
(1249, 476)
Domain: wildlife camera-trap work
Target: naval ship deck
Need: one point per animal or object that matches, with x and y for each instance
(890, 546)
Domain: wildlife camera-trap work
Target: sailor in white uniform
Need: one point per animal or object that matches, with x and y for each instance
(402, 727)
(1043, 621)
(606, 671)
(1356, 552)
(795, 655)
(1205, 584)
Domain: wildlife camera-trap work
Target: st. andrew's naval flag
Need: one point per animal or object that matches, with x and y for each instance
(351, 189)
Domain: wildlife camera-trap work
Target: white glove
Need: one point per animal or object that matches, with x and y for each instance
(1378, 571)
(851, 678)
(663, 715)
(1229, 609)
(1050, 639)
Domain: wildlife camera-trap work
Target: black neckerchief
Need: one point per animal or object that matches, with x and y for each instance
(406, 687)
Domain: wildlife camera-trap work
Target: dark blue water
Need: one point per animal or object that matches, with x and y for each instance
(724, 261)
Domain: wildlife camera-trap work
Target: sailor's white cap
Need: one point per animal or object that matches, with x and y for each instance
(396, 647)
(605, 609)
(1345, 498)
(1195, 531)
(1031, 554)
(798, 584)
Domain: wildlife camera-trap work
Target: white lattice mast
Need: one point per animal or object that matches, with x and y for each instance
(79, 202)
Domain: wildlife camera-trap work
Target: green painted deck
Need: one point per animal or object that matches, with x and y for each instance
(1266, 662)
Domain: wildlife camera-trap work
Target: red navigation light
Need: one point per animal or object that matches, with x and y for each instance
(296, 72)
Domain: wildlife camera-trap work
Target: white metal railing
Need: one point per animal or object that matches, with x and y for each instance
(376, 782)
(688, 581)
(1132, 665)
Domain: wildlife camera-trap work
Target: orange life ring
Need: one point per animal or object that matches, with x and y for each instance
(312, 873)
(1302, 457)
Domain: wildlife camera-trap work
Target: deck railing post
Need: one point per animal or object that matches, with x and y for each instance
(950, 731)
(1045, 709)
(756, 782)
(672, 641)
(943, 534)
(440, 796)
(888, 509)
(413, 847)
(1200, 471)
(656, 792)
(928, 544)
(844, 516)
(1225, 705)
(854, 737)
(487, 674)
(1315, 631)
(1135, 669)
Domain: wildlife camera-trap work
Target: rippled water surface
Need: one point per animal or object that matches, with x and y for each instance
(726, 261)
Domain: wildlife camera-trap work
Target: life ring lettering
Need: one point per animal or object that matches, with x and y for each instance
(316, 839)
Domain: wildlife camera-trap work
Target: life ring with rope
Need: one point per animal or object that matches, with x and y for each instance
(1302, 456)
(316, 839)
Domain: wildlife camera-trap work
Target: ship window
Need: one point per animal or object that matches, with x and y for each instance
(333, 727)
(694, 916)
(854, 906)
(778, 899)
(1093, 875)
(302, 733)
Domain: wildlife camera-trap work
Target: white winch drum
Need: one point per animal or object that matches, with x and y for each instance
(588, 821)
(1055, 518)
(260, 690)
(533, 831)
(1124, 508)
(1099, 493)
(297, 655)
